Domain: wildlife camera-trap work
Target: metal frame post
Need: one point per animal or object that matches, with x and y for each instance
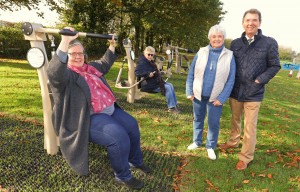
(177, 64)
(131, 75)
(51, 143)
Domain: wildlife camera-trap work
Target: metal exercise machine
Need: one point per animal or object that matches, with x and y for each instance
(171, 50)
(37, 58)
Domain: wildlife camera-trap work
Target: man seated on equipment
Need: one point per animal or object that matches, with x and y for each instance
(153, 83)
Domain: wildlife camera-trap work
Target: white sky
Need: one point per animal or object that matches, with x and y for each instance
(280, 19)
(24, 15)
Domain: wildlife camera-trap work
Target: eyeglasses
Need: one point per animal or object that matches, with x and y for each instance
(74, 54)
(150, 55)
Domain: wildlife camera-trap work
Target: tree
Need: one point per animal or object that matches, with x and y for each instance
(14, 5)
(91, 16)
(286, 53)
(180, 22)
(227, 43)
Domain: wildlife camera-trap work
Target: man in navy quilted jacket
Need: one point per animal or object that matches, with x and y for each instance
(257, 62)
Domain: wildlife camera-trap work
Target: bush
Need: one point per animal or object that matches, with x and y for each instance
(14, 46)
(12, 43)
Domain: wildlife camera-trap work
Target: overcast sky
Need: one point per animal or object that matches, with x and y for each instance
(280, 19)
(24, 15)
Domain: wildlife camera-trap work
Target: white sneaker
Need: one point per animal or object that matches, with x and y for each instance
(211, 154)
(192, 146)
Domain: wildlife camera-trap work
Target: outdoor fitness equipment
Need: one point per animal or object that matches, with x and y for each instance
(37, 58)
(178, 64)
(131, 83)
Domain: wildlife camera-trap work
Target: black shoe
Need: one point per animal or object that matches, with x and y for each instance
(174, 110)
(144, 168)
(133, 183)
(178, 108)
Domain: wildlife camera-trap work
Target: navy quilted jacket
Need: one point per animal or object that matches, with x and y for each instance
(259, 60)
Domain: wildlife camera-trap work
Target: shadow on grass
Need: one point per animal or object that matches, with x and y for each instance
(16, 64)
(156, 105)
(25, 165)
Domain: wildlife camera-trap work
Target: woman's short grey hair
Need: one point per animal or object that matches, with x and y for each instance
(149, 49)
(74, 43)
(216, 29)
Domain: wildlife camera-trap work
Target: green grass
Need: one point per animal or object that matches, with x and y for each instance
(277, 157)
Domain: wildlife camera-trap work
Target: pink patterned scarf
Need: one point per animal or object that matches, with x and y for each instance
(101, 95)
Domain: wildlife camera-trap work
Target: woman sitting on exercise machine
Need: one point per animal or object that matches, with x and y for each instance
(85, 110)
(146, 68)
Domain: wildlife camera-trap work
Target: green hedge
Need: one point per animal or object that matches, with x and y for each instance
(14, 46)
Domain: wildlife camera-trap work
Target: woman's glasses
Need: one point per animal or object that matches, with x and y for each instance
(150, 55)
(74, 54)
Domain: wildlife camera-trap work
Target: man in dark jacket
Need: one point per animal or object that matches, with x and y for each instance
(257, 62)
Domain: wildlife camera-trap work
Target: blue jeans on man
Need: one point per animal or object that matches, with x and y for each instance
(201, 108)
(120, 134)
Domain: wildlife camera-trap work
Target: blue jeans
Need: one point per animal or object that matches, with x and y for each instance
(214, 115)
(120, 134)
(170, 95)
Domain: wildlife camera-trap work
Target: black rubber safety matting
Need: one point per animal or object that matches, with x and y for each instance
(26, 166)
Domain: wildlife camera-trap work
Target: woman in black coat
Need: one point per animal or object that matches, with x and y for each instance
(146, 68)
(85, 110)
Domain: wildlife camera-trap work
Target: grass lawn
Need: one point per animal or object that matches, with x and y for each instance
(164, 138)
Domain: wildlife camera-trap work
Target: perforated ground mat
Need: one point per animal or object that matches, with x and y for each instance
(25, 165)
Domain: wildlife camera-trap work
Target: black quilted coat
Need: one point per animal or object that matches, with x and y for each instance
(259, 60)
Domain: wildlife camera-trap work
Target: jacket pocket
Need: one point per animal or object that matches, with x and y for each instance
(237, 51)
(260, 53)
(257, 89)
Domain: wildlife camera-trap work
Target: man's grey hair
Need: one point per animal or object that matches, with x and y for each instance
(216, 29)
(253, 11)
